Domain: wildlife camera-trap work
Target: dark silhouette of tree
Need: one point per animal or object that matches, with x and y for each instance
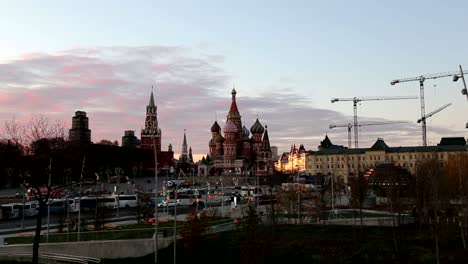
(359, 188)
(193, 232)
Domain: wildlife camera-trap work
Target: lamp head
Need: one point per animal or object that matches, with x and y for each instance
(394, 82)
(455, 78)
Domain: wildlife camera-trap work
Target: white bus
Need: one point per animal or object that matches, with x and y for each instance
(127, 200)
(73, 204)
(89, 203)
(30, 208)
(13, 210)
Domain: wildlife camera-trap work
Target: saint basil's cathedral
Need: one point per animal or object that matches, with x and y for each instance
(237, 153)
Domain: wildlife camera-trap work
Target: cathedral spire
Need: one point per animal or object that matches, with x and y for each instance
(185, 139)
(266, 140)
(233, 111)
(190, 156)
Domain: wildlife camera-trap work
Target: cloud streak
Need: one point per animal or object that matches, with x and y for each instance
(112, 84)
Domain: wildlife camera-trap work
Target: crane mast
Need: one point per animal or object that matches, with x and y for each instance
(421, 80)
(356, 100)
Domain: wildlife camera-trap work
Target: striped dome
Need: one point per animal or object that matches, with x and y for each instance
(230, 127)
(257, 128)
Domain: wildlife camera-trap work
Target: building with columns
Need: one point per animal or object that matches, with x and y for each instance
(237, 153)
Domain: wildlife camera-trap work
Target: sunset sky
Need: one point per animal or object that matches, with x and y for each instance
(287, 59)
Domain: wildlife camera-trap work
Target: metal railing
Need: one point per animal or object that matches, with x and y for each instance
(51, 256)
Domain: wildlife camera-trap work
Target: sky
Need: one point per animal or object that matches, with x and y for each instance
(286, 59)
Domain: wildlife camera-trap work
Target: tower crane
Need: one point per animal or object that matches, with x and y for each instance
(421, 80)
(349, 126)
(356, 100)
(434, 112)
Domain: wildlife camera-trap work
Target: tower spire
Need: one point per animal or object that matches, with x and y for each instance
(151, 102)
(184, 153)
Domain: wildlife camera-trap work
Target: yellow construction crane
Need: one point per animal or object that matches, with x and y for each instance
(356, 100)
(349, 126)
(421, 79)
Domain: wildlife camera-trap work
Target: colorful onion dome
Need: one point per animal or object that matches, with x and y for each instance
(257, 128)
(215, 127)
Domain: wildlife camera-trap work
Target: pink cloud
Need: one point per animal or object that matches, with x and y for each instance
(113, 85)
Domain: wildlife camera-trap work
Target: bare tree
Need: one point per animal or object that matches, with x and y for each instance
(359, 189)
(39, 126)
(433, 195)
(15, 131)
(456, 173)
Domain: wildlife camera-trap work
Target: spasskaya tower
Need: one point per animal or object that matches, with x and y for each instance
(151, 137)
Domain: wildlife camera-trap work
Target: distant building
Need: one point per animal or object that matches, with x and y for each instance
(343, 162)
(274, 153)
(151, 139)
(80, 132)
(185, 162)
(293, 161)
(184, 155)
(237, 153)
(129, 140)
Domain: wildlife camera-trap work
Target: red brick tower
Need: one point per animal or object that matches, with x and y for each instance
(151, 129)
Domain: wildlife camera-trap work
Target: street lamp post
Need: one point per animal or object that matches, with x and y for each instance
(464, 90)
(79, 199)
(175, 215)
(155, 202)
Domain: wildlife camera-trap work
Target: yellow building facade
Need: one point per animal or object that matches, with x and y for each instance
(342, 162)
